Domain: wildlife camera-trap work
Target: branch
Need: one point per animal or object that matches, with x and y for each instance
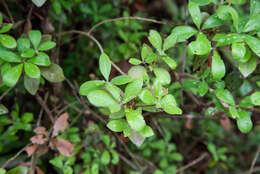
(6, 92)
(44, 106)
(254, 160)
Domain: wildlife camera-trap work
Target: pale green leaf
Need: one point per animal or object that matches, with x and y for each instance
(45, 46)
(170, 41)
(201, 46)
(135, 61)
(114, 91)
(9, 56)
(5, 28)
(212, 22)
(147, 97)
(39, 3)
(135, 119)
(31, 84)
(132, 90)
(170, 62)
(155, 39)
(89, 86)
(253, 23)
(42, 59)
(105, 65)
(162, 75)
(253, 43)
(203, 88)
(183, 32)
(121, 80)
(117, 125)
(147, 131)
(248, 67)
(224, 12)
(238, 50)
(105, 158)
(136, 72)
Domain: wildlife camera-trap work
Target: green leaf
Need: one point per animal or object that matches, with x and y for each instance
(31, 84)
(12, 75)
(23, 44)
(155, 39)
(146, 51)
(18, 170)
(90, 86)
(6, 28)
(135, 61)
(35, 37)
(3, 110)
(136, 72)
(101, 98)
(253, 23)
(53, 73)
(183, 32)
(114, 91)
(255, 98)
(9, 56)
(170, 41)
(201, 46)
(104, 65)
(169, 105)
(225, 96)
(195, 13)
(32, 70)
(1, 18)
(2, 171)
(238, 50)
(28, 53)
(39, 3)
(7, 41)
(233, 112)
(162, 75)
(244, 122)
(254, 7)
(226, 39)
(248, 67)
(132, 90)
(147, 97)
(176, 156)
(253, 43)
(201, 2)
(170, 62)
(218, 69)
(203, 88)
(246, 102)
(147, 131)
(212, 22)
(136, 138)
(45, 46)
(105, 158)
(117, 125)
(225, 12)
(121, 80)
(135, 119)
(27, 117)
(42, 59)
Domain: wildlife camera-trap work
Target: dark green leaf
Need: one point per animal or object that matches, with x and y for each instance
(253, 23)
(212, 22)
(105, 158)
(170, 41)
(238, 50)
(253, 43)
(183, 32)
(18, 170)
(31, 84)
(23, 44)
(3, 110)
(53, 73)
(170, 62)
(201, 46)
(203, 88)
(248, 67)
(195, 13)
(9, 56)
(225, 12)
(6, 28)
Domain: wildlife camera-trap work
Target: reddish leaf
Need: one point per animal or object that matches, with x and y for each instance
(31, 149)
(188, 123)
(38, 139)
(225, 122)
(60, 124)
(39, 171)
(42, 150)
(41, 130)
(53, 143)
(64, 147)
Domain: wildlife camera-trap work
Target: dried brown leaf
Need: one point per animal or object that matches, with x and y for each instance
(53, 143)
(31, 149)
(41, 130)
(64, 147)
(188, 123)
(38, 139)
(225, 122)
(60, 124)
(42, 150)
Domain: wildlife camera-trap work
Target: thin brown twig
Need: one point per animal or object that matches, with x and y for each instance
(254, 160)
(6, 92)
(8, 11)
(44, 106)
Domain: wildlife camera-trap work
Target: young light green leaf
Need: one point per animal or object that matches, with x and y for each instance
(244, 121)
(121, 80)
(45, 46)
(218, 69)
(169, 105)
(212, 22)
(105, 65)
(195, 13)
(5, 28)
(31, 84)
(201, 46)
(255, 98)
(248, 67)
(183, 32)
(170, 41)
(114, 91)
(7, 41)
(9, 56)
(32, 70)
(18, 170)
(90, 86)
(253, 23)
(105, 158)
(39, 3)
(147, 131)
(170, 62)
(233, 112)
(147, 97)
(117, 125)
(253, 43)
(162, 75)
(155, 39)
(136, 72)
(135, 61)
(132, 90)
(224, 12)
(12, 75)
(238, 50)
(35, 37)
(53, 73)
(135, 119)
(42, 59)
(203, 88)
(146, 51)
(225, 96)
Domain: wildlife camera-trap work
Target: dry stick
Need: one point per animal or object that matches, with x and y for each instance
(6, 92)
(8, 11)
(125, 18)
(44, 106)
(204, 155)
(122, 157)
(254, 160)
(41, 111)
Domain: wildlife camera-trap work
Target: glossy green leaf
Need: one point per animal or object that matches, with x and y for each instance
(9, 56)
(183, 32)
(195, 13)
(246, 102)
(135, 61)
(104, 65)
(42, 59)
(32, 70)
(117, 125)
(147, 131)
(162, 75)
(39, 3)
(146, 51)
(23, 44)
(90, 86)
(212, 22)
(28, 53)
(53, 73)
(203, 88)
(121, 80)
(170, 62)
(147, 97)
(155, 39)
(244, 121)
(135, 119)
(226, 39)
(5, 28)
(225, 96)
(253, 23)
(233, 112)
(255, 98)
(7, 41)
(105, 158)
(169, 105)
(3, 109)
(31, 84)
(35, 37)
(170, 41)
(218, 69)
(248, 67)
(238, 50)
(132, 90)
(201, 46)
(225, 12)
(18, 170)
(12, 75)
(253, 43)
(27, 117)
(45, 46)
